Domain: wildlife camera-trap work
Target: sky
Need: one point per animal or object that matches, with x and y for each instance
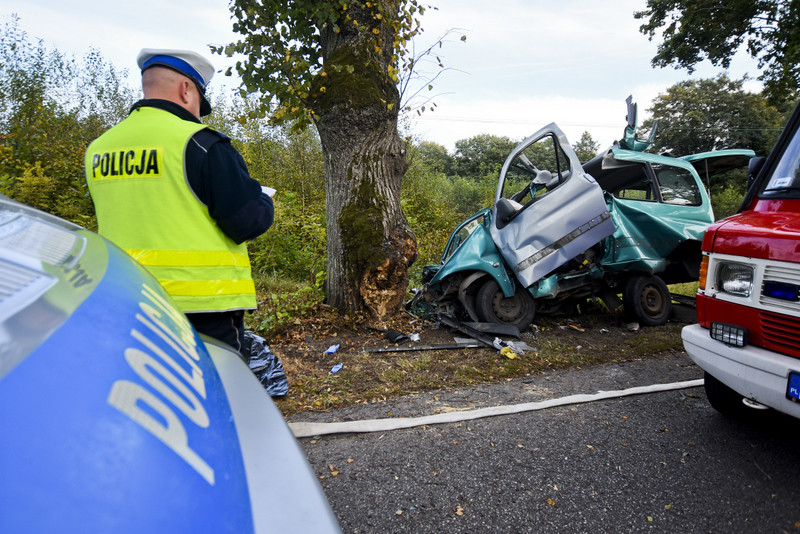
(524, 63)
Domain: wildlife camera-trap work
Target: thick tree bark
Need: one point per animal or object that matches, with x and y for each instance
(370, 244)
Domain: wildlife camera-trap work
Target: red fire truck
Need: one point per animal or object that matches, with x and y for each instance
(748, 304)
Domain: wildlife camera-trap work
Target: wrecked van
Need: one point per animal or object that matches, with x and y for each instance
(627, 222)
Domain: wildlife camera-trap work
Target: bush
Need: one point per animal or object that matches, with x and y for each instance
(283, 302)
(295, 246)
(726, 202)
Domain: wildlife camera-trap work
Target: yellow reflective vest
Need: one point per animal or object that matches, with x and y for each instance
(136, 176)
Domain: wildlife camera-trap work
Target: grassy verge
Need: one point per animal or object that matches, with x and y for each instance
(371, 377)
(299, 329)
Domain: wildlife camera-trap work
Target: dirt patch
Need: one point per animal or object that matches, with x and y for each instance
(331, 361)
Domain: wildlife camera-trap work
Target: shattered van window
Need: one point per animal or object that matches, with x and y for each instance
(677, 185)
(639, 190)
(537, 169)
(461, 234)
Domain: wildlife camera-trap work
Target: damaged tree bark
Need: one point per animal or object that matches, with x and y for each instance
(370, 244)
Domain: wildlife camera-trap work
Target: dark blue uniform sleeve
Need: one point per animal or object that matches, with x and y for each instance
(219, 178)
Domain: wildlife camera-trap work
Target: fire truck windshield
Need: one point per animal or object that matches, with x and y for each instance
(785, 181)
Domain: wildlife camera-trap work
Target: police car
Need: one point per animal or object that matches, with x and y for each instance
(115, 416)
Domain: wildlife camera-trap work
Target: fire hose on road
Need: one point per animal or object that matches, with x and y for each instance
(311, 429)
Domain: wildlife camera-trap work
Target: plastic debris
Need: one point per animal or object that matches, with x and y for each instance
(499, 344)
(266, 366)
(515, 347)
(414, 337)
(508, 353)
(496, 329)
(632, 327)
(336, 368)
(332, 349)
(395, 336)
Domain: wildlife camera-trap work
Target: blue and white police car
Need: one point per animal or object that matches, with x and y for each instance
(115, 416)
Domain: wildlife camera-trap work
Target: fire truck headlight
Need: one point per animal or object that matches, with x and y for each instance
(735, 278)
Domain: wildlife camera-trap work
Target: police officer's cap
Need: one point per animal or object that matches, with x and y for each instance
(188, 63)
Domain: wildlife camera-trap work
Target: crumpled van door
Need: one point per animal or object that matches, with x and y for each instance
(547, 209)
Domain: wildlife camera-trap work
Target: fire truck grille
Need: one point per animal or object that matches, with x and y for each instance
(781, 275)
(781, 333)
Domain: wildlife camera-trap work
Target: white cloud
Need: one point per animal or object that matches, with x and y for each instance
(527, 64)
(120, 29)
(603, 118)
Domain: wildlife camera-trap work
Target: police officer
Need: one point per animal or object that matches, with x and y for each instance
(177, 196)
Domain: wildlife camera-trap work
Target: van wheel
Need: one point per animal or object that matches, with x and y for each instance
(492, 306)
(647, 299)
(725, 400)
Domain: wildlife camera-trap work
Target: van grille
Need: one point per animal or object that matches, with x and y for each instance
(781, 333)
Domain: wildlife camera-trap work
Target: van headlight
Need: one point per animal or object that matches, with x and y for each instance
(735, 278)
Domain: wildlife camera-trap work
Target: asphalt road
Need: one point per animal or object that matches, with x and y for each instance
(664, 462)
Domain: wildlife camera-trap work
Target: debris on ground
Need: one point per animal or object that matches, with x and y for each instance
(395, 336)
(266, 366)
(439, 346)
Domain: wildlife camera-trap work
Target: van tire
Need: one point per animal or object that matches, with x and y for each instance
(492, 306)
(646, 298)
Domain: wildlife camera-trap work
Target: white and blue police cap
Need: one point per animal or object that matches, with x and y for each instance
(188, 63)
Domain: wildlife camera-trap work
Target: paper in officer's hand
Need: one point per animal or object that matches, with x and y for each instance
(268, 191)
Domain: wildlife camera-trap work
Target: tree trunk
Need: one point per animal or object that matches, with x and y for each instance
(370, 244)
